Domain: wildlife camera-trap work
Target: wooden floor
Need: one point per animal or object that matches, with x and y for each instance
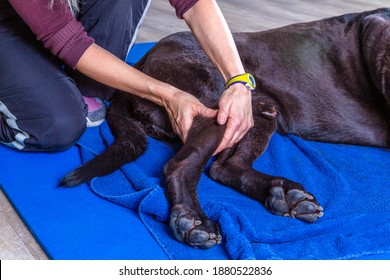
(16, 242)
(253, 15)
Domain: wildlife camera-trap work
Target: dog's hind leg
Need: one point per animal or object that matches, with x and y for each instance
(279, 195)
(182, 173)
(130, 143)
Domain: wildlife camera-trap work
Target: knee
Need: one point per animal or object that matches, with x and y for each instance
(60, 118)
(63, 130)
(56, 131)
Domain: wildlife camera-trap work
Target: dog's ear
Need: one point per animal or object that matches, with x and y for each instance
(376, 50)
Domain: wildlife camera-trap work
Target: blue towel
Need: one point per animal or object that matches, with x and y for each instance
(352, 184)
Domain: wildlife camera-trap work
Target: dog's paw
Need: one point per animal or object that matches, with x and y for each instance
(291, 200)
(188, 227)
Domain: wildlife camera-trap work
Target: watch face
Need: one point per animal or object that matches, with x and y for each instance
(252, 83)
(252, 80)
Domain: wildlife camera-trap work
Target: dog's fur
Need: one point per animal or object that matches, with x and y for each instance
(327, 80)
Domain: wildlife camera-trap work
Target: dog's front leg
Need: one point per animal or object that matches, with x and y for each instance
(182, 173)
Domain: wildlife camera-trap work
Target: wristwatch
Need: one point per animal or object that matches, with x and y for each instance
(246, 79)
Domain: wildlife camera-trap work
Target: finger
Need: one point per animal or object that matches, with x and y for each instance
(223, 114)
(237, 137)
(244, 131)
(185, 128)
(179, 132)
(226, 140)
(209, 113)
(221, 147)
(234, 139)
(183, 134)
(235, 131)
(240, 137)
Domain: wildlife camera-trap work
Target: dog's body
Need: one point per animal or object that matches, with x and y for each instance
(327, 80)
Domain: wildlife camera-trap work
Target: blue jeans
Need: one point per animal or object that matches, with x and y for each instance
(41, 104)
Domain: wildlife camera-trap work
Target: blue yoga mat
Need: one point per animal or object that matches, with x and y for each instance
(124, 215)
(71, 223)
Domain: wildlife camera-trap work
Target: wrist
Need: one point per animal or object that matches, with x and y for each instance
(168, 96)
(240, 89)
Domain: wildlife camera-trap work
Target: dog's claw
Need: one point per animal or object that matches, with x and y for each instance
(188, 227)
(309, 196)
(292, 201)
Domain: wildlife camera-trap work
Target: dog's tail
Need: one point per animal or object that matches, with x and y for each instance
(130, 142)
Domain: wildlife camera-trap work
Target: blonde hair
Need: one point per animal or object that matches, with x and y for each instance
(73, 5)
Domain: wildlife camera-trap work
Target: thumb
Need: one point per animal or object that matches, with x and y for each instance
(224, 111)
(222, 116)
(209, 113)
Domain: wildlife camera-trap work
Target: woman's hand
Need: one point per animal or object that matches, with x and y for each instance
(235, 109)
(182, 108)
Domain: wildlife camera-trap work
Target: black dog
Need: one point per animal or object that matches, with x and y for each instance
(327, 80)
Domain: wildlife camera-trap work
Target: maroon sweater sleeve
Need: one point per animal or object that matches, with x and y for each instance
(58, 30)
(182, 6)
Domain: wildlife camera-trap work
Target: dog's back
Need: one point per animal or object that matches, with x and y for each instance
(325, 78)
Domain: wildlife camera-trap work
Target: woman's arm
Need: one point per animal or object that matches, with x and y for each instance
(235, 105)
(107, 69)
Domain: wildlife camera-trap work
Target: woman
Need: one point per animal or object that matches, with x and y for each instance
(41, 106)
